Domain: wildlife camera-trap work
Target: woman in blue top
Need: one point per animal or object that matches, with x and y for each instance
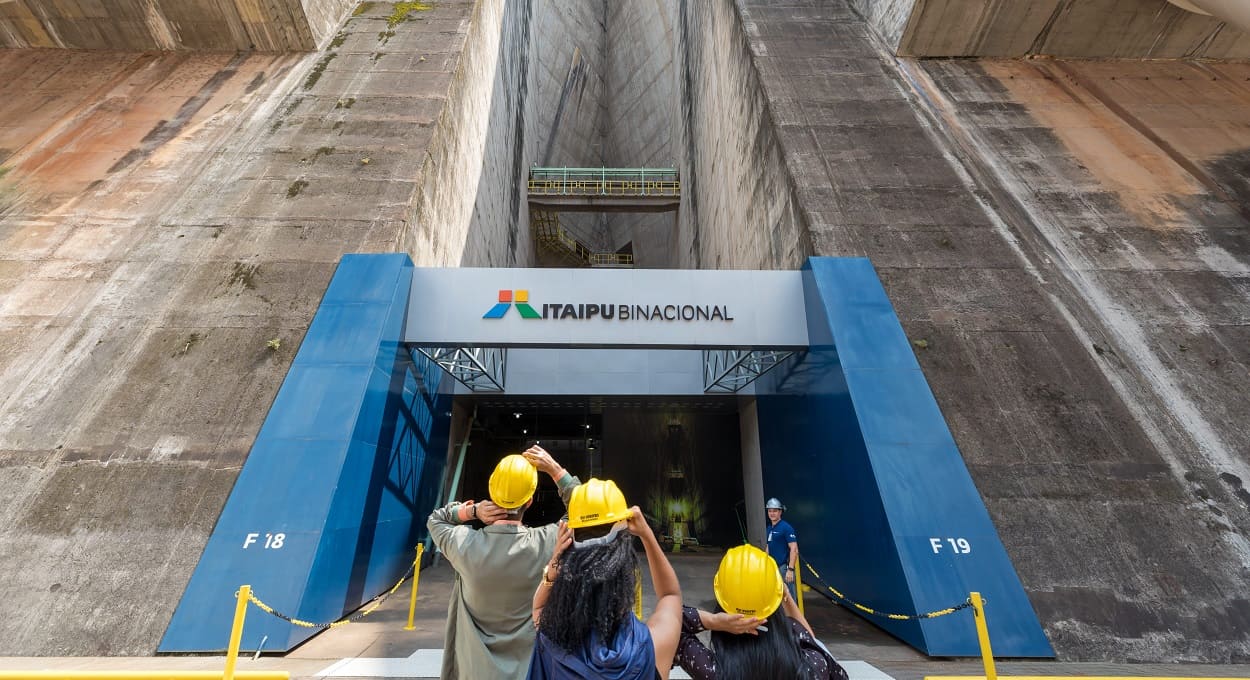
(584, 605)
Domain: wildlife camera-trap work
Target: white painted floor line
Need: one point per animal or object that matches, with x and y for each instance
(862, 670)
(426, 663)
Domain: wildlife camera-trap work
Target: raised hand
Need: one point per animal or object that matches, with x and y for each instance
(541, 460)
(564, 538)
(637, 524)
(737, 624)
(490, 513)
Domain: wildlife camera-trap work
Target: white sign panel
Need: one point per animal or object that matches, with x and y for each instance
(607, 308)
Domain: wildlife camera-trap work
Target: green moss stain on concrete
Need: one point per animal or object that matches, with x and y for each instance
(401, 10)
(244, 274)
(320, 68)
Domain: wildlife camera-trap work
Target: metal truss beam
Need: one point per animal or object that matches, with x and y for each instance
(726, 371)
(481, 369)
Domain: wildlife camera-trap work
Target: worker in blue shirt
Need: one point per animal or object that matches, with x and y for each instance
(783, 544)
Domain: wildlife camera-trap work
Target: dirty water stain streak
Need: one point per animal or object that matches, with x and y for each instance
(166, 130)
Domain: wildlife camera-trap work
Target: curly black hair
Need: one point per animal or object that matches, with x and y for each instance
(593, 592)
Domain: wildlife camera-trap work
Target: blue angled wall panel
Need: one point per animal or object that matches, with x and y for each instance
(855, 444)
(345, 469)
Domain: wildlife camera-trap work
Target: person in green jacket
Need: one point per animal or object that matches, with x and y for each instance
(489, 633)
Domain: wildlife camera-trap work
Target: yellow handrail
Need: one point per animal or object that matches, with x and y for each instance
(142, 675)
(416, 576)
(983, 635)
(236, 629)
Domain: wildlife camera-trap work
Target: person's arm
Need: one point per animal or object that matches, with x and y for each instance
(488, 513)
(447, 528)
(692, 655)
(794, 559)
(543, 462)
(737, 624)
(791, 608)
(816, 656)
(665, 621)
(564, 538)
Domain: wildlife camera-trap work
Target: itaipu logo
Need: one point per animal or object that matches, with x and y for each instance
(621, 312)
(505, 301)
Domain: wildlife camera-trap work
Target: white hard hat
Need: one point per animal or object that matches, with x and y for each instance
(774, 504)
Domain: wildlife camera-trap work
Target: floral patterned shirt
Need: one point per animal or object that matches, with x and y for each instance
(697, 660)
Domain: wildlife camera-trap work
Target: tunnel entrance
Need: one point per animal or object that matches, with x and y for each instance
(412, 382)
(677, 459)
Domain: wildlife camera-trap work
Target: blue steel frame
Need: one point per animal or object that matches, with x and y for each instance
(853, 441)
(345, 468)
(350, 461)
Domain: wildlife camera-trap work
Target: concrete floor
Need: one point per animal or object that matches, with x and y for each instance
(381, 636)
(848, 636)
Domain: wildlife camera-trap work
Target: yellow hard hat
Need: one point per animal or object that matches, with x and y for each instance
(748, 582)
(513, 482)
(596, 502)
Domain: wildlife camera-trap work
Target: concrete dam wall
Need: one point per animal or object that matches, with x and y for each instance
(229, 25)
(1071, 267)
(1065, 242)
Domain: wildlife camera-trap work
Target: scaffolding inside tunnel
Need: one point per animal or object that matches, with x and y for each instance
(555, 190)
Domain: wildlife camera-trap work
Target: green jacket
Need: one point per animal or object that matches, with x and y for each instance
(489, 631)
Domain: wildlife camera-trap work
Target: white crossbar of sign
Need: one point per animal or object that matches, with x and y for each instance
(607, 308)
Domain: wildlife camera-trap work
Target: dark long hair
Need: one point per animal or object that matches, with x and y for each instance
(771, 654)
(593, 592)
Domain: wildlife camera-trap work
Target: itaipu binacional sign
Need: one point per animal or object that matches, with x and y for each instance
(607, 308)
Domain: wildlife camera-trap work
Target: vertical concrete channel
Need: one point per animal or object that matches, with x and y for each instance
(590, 84)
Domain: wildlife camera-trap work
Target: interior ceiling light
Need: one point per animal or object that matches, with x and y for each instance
(517, 414)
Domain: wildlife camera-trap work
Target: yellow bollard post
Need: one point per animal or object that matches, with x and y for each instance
(983, 635)
(416, 576)
(798, 586)
(638, 593)
(236, 631)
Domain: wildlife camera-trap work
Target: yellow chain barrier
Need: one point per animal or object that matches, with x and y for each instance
(869, 610)
(377, 602)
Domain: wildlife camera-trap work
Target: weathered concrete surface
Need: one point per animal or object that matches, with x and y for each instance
(528, 93)
(694, 100)
(1152, 29)
(1070, 241)
(163, 218)
(739, 209)
(228, 25)
(643, 109)
(888, 18)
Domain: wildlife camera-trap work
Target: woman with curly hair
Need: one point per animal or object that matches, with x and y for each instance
(584, 605)
(760, 634)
